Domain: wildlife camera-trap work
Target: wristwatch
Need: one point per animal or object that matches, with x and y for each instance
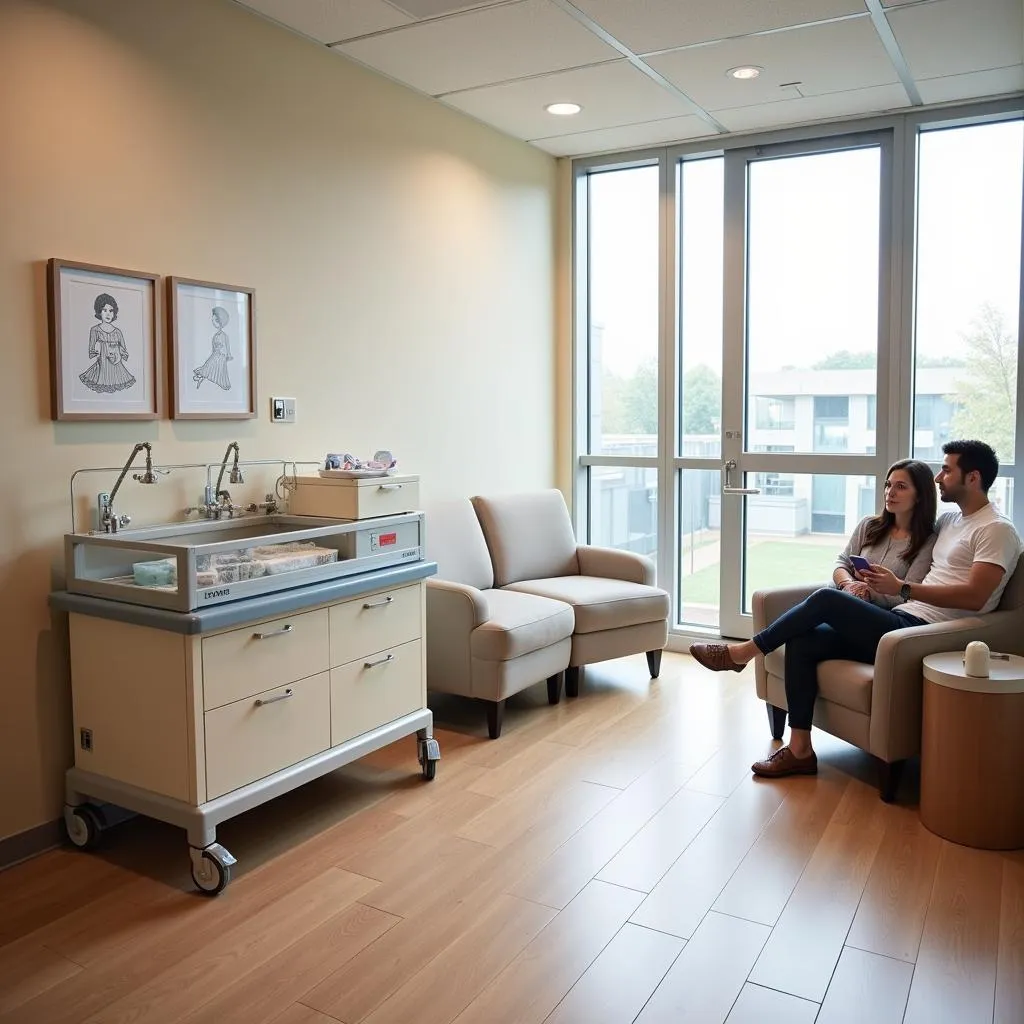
(905, 592)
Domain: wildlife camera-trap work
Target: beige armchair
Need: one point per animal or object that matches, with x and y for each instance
(617, 609)
(482, 642)
(878, 707)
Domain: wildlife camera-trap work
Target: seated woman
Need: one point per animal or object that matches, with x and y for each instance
(848, 621)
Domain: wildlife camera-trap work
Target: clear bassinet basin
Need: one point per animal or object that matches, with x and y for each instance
(185, 566)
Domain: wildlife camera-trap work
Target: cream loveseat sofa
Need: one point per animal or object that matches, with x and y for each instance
(516, 600)
(485, 642)
(878, 707)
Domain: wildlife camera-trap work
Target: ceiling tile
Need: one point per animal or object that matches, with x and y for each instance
(825, 58)
(433, 8)
(610, 94)
(952, 37)
(645, 25)
(814, 108)
(481, 47)
(330, 20)
(995, 82)
(629, 136)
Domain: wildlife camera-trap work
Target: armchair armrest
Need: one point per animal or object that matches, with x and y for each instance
(613, 564)
(896, 691)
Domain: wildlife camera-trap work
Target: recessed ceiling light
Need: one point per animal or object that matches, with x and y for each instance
(745, 72)
(563, 109)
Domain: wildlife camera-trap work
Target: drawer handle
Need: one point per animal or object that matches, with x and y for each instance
(389, 487)
(276, 632)
(382, 603)
(379, 661)
(260, 702)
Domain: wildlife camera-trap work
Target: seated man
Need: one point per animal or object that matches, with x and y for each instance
(974, 553)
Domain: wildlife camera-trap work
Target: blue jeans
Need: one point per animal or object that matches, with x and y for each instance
(828, 624)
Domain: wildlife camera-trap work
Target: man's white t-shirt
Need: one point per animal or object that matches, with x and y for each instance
(983, 536)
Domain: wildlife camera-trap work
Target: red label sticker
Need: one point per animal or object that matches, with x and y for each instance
(388, 538)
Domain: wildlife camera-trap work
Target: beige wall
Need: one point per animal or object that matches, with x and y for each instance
(402, 256)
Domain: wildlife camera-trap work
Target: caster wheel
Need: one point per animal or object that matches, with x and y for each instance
(210, 875)
(429, 755)
(84, 825)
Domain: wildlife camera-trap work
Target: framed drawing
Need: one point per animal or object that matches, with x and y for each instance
(213, 350)
(105, 351)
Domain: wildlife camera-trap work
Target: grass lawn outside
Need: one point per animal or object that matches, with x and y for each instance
(771, 563)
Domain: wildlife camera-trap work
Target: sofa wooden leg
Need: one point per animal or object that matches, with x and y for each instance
(654, 663)
(555, 688)
(495, 717)
(889, 775)
(572, 681)
(776, 720)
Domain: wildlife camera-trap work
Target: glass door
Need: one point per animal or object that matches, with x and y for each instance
(805, 344)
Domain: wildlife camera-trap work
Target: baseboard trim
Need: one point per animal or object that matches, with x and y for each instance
(30, 843)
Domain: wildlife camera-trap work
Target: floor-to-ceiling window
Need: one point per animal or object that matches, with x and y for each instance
(967, 291)
(762, 329)
(622, 368)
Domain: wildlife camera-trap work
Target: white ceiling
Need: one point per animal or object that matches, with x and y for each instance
(654, 71)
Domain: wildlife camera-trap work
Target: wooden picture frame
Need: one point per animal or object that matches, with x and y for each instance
(105, 342)
(213, 350)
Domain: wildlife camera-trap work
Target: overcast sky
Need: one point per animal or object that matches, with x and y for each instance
(814, 251)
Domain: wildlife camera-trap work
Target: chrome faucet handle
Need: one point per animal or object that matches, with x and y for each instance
(124, 519)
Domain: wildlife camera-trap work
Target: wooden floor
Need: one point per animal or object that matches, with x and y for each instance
(606, 861)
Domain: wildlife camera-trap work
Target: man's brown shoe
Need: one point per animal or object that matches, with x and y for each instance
(715, 657)
(784, 762)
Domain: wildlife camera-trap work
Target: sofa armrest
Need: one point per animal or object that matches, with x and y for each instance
(454, 610)
(613, 564)
(896, 691)
(457, 601)
(768, 605)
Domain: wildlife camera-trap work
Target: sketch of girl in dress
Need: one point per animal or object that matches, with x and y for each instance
(106, 346)
(215, 369)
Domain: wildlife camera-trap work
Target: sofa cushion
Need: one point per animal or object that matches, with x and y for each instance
(456, 542)
(529, 536)
(847, 683)
(601, 603)
(1013, 594)
(518, 624)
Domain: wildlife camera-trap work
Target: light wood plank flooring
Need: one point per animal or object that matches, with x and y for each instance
(606, 861)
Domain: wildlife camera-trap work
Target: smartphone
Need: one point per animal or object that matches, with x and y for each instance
(860, 563)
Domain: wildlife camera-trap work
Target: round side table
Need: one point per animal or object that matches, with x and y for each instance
(972, 754)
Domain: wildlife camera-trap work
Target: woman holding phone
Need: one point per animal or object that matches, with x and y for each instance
(900, 537)
(845, 622)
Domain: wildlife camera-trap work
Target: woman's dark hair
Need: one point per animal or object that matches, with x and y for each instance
(922, 519)
(104, 300)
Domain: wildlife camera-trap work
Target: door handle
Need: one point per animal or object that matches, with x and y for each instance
(727, 487)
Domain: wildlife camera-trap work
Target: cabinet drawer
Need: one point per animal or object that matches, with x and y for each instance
(375, 623)
(373, 691)
(255, 658)
(354, 499)
(255, 737)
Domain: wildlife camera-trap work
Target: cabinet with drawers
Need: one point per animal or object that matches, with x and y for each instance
(195, 718)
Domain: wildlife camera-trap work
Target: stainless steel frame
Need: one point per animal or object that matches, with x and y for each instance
(201, 821)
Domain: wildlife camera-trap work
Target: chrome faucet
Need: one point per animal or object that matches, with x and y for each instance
(108, 520)
(217, 501)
